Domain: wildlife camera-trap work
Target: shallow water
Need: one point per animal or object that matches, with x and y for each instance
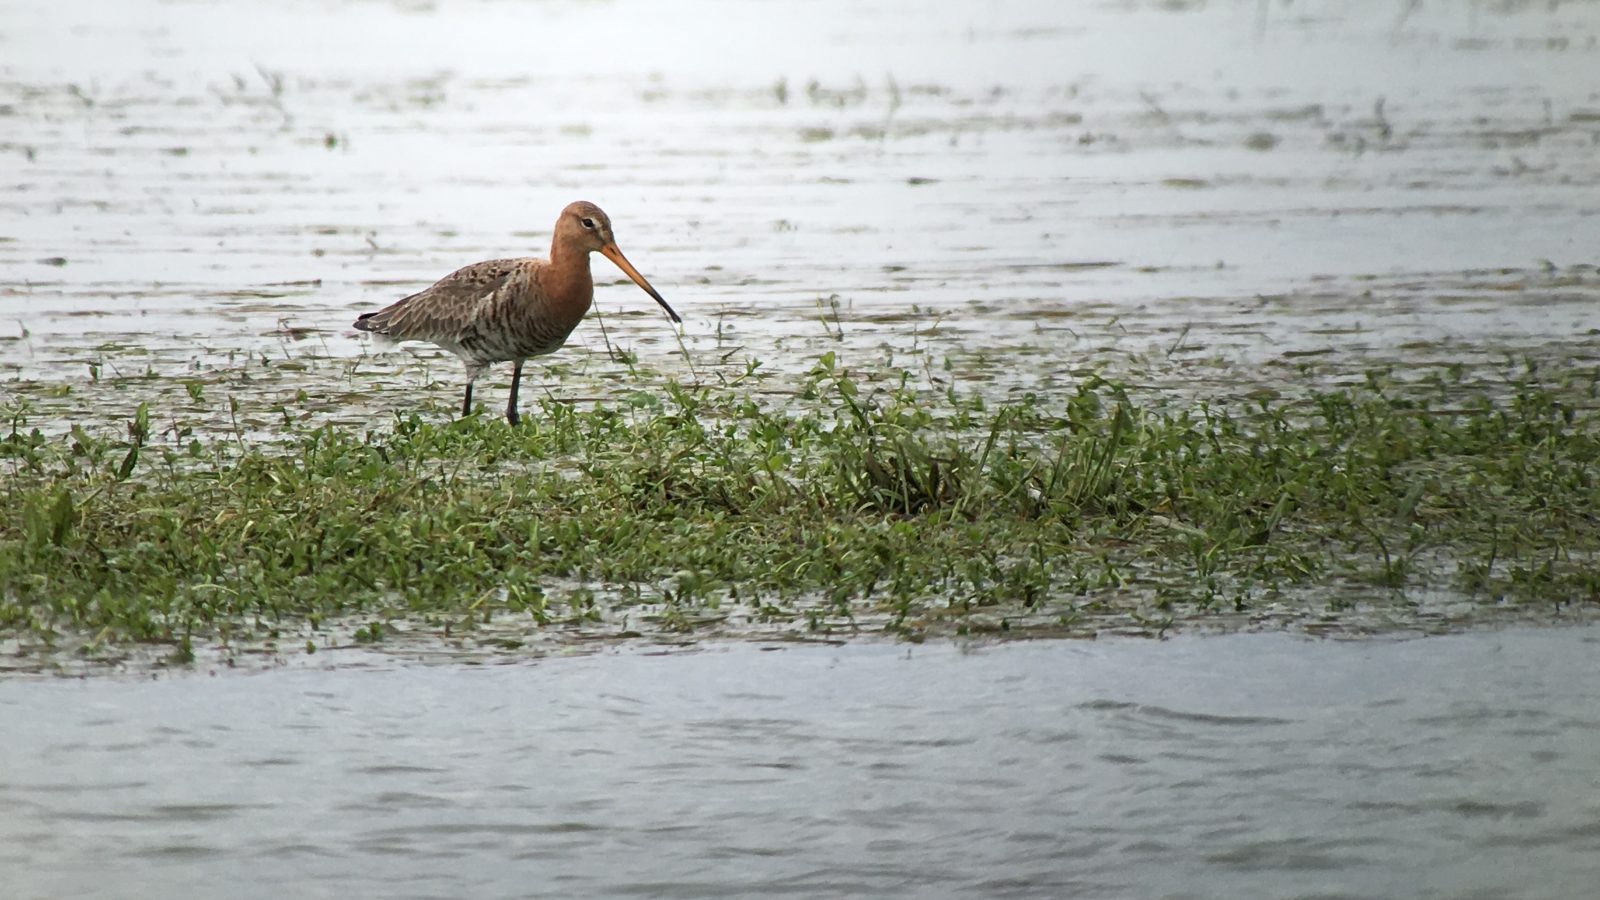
(1057, 186)
(1200, 197)
(1238, 766)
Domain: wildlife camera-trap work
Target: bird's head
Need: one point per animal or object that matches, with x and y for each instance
(586, 227)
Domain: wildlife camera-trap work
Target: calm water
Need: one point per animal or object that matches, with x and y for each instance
(1203, 194)
(1242, 766)
(1057, 184)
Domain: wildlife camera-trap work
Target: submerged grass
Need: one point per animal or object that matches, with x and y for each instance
(855, 504)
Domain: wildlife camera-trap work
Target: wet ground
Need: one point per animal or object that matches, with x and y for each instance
(1238, 766)
(1207, 198)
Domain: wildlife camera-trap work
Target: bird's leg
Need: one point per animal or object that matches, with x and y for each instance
(466, 402)
(511, 405)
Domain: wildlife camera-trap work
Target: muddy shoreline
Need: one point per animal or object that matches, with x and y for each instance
(1252, 208)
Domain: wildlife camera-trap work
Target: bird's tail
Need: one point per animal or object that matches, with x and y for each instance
(381, 341)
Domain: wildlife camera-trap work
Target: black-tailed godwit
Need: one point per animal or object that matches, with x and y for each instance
(510, 310)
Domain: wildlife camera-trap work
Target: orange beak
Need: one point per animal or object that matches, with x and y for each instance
(611, 252)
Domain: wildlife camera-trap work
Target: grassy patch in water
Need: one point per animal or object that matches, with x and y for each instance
(857, 503)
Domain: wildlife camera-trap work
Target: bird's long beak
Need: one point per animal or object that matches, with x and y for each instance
(615, 255)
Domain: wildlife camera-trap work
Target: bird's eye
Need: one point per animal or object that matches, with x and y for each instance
(588, 223)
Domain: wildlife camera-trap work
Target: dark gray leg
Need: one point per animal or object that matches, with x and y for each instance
(511, 405)
(466, 402)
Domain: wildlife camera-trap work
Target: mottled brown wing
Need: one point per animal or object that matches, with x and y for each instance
(444, 310)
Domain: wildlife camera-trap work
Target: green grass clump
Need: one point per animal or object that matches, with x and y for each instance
(868, 503)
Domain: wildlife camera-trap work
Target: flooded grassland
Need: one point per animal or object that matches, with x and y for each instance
(1295, 330)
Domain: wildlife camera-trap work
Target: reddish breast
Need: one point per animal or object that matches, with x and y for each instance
(559, 294)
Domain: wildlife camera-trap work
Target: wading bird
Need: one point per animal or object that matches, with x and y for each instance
(509, 310)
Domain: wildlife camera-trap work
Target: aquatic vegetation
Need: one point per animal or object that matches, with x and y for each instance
(861, 503)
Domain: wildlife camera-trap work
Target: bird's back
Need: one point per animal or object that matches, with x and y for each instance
(490, 311)
(446, 308)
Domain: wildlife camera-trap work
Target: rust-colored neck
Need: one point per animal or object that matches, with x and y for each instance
(566, 251)
(567, 283)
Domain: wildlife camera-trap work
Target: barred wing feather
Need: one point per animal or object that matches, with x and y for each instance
(444, 311)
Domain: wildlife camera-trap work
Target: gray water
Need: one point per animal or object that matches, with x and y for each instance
(1239, 766)
(1208, 195)
(1048, 185)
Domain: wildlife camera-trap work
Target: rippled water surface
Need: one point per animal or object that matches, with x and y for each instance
(1203, 197)
(1022, 188)
(1240, 766)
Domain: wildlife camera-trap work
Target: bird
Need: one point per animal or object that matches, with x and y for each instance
(511, 310)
